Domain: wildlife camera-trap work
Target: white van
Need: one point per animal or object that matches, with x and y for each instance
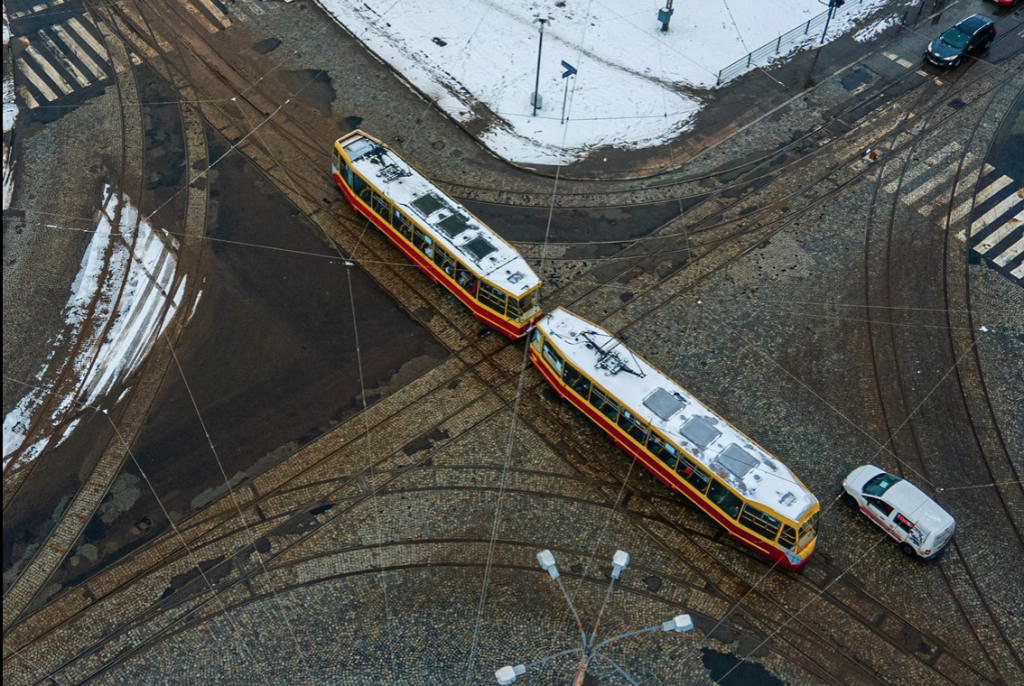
(922, 528)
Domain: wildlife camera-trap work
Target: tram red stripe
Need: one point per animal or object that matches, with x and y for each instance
(769, 551)
(431, 270)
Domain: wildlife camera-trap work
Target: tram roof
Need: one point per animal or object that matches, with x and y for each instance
(709, 438)
(448, 222)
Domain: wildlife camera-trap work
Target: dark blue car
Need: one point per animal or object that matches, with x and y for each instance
(971, 36)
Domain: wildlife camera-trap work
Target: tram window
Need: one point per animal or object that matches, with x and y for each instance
(663, 450)
(787, 539)
(809, 529)
(423, 242)
(577, 382)
(633, 425)
(514, 311)
(696, 476)
(492, 297)
(538, 338)
(553, 358)
(728, 501)
(381, 206)
(403, 225)
(466, 278)
(605, 405)
(361, 188)
(760, 522)
(444, 260)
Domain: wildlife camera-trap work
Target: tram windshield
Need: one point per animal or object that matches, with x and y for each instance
(808, 530)
(517, 309)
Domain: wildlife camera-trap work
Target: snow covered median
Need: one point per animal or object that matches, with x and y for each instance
(636, 86)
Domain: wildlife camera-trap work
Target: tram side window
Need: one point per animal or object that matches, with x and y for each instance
(725, 499)
(787, 539)
(633, 425)
(342, 168)
(492, 297)
(403, 225)
(663, 450)
(423, 243)
(381, 206)
(605, 405)
(577, 382)
(693, 474)
(760, 522)
(514, 311)
(361, 188)
(553, 358)
(466, 278)
(444, 260)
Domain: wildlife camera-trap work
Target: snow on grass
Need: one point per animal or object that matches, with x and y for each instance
(120, 302)
(635, 86)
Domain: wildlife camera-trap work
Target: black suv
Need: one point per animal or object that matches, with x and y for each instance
(971, 36)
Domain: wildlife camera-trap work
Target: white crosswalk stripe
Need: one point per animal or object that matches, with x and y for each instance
(1019, 272)
(49, 70)
(993, 215)
(79, 52)
(220, 20)
(36, 80)
(1010, 254)
(918, 169)
(55, 67)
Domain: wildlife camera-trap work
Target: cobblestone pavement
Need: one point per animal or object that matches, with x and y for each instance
(828, 309)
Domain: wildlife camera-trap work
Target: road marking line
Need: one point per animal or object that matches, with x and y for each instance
(859, 89)
(49, 70)
(77, 27)
(890, 56)
(65, 62)
(921, 168)
(993, 188)
(922, 72)
(906, 64)
(985, 220)
(931, 184)
(28, 97)
(36, 80)
(1010, 254)
(200, 17)
(215, 11)
(80, 52)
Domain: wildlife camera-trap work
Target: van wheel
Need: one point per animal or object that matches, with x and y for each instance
(907, 550)
(850, 501)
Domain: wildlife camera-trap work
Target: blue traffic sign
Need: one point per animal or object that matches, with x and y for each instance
(569, 69)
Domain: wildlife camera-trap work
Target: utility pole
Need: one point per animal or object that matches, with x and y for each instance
(536, 102)
(665, 15)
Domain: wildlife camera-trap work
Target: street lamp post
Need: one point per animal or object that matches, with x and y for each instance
(589, 650)
(536, 84)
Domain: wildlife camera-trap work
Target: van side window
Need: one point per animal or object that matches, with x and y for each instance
(880, 505)
(903, 523)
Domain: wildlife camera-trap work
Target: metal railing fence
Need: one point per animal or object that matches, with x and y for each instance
(764, 54)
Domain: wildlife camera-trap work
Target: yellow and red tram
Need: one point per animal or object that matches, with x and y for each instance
(682, 442)
(437, 234)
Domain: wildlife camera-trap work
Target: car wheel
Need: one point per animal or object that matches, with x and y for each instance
(850, 501)
(907, 550)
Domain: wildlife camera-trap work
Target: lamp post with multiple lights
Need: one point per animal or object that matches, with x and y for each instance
(589, 650)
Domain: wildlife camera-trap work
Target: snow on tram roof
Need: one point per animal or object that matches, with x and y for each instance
(448, 222)
(668, 407)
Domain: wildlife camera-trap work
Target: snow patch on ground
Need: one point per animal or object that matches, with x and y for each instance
(120, 302)
(875, 29)
(635, 84)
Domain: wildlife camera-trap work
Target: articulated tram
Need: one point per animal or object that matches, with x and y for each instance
(439, 235)
(686, 445)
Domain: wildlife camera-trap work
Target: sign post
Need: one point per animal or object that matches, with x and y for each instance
(569, 71)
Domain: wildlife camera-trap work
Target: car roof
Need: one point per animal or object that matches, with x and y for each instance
(918, 507)
(971, 24)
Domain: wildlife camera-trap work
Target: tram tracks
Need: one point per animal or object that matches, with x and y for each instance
(506, 347)
(901, 405)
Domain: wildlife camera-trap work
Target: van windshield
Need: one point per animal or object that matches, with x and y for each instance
(878, 485)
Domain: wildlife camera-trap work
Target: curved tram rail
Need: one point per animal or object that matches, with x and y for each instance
(439, 235)
(682, 442)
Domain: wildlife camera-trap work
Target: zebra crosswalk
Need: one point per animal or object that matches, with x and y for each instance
(996, 231)
(212, 14)
(61, 60)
